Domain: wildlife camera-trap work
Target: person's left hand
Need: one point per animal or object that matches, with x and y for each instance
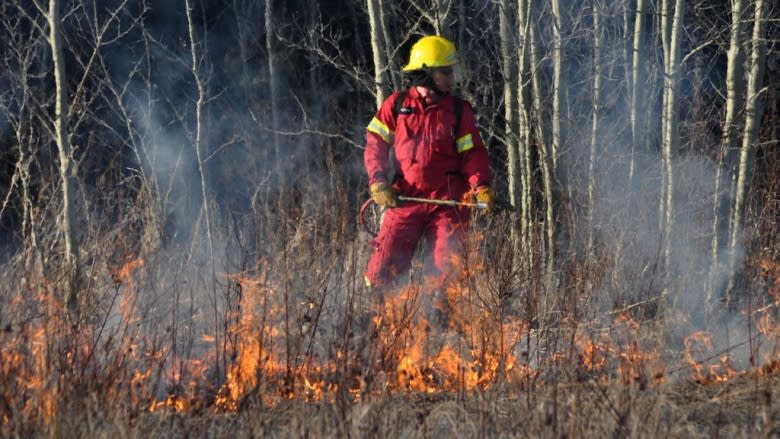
(485, 196)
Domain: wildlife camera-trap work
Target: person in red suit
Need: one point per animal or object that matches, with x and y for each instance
(439, 154)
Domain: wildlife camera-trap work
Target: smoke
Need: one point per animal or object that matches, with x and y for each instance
(271, 214)
(627, 222)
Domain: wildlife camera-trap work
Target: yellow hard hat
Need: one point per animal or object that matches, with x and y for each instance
(431, 51)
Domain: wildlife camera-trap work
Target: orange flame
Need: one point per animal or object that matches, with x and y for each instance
(700, 342)
(124, 274)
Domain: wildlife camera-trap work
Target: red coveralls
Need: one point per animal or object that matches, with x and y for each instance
(431, 162)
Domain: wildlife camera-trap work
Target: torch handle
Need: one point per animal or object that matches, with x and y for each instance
(443, 202)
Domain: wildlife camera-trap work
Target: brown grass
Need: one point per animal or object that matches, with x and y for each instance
(178, 343)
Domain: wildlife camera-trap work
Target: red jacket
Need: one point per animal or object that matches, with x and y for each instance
(431, 160)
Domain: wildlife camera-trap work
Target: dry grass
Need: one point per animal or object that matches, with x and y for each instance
(742, 408)
(181, 343)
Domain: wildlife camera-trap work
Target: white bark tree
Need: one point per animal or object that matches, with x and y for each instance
(64, 150)
(537, 124)
(378, 50)
(557, 91)
(753, 113)
(637, 74)
(525, 135)
(671, 36)
(735, 84)
(595, 108)
(507, 67)
(735, 98)
(515, 127)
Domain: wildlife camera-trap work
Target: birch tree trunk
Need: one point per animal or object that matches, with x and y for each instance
(735, 91)
(753, 113)
(545, 162)
(377, 49)
(524, 135)
(596, 102)
(671, 37)
(637, 73)
(62, 140)
(538, 99)
(557, 59)
(735, 86)
(507, 44)
(548, 156)
(513, 146)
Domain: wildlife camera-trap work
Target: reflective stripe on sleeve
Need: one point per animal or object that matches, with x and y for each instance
(377, 127)
(464, 143)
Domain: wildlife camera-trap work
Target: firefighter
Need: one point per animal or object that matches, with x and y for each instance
(438, 154)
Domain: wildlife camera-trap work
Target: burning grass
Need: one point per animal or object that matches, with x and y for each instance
(280, 363)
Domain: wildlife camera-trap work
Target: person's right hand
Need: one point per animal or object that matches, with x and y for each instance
(383, 194)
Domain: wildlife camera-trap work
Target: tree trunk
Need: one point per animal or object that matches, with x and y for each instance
(557, 59)
(513, 145)
(62, 140)
(753, 113)
(377, 49)
(735, 91)
(596, 102)
(637, 75)
(735, 85)
(507, 61)
(545, 163)
(670, 122)
(548, 156)
(524, 134)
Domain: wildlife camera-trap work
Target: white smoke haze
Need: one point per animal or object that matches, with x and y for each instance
(685, 296)
(192, 295)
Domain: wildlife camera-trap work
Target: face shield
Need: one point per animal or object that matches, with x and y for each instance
(447, 78)
(440, 79)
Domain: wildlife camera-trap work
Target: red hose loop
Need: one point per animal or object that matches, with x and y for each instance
(362, 217)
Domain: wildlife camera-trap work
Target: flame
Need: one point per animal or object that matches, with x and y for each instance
(171, 402)
(258, 344)
(252, 360)
(623, 352)
(124, 274)
(700, 343)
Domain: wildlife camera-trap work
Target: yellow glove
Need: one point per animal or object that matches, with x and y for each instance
(383, 194)
(484, 195)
